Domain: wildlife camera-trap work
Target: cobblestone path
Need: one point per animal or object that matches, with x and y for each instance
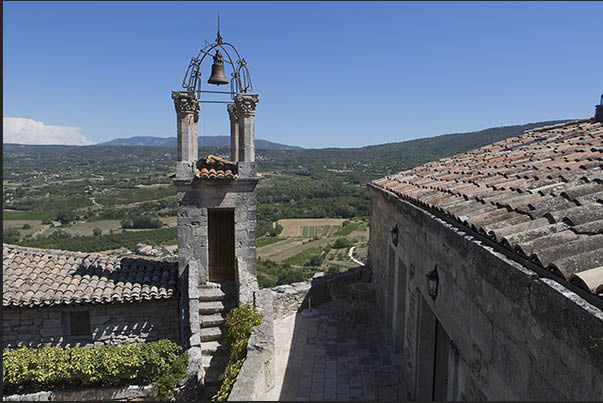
(342, 354)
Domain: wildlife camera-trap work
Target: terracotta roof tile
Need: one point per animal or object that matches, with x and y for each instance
(212, 167)
(539, 194)
(79, 277)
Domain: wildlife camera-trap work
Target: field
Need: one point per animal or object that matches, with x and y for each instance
(348, 229)
(300, 258)
(8, 215)
(85, 228)
(309, 227)
(268, 241)
(20, 223)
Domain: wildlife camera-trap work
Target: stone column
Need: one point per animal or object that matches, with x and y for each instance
(234, 132)
(187, 111)
(245, 105)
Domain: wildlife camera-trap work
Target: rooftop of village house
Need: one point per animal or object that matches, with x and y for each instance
(34, 277)
(538, 194)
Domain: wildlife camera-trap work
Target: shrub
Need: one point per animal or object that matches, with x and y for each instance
(97, 231)
(315, 260)
(10, 235)
(141, 222)
(26, 226)
(341, 243)
(33, 369)
(239, 324)
(290, 276)
(66, 216)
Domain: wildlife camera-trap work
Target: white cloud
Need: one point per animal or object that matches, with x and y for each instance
(28, 131)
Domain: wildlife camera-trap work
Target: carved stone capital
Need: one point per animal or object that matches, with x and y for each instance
(186, 103)
(246, 103)
(232, 112)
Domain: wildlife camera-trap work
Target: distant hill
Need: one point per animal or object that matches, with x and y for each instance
(382, 159)
(204, 141)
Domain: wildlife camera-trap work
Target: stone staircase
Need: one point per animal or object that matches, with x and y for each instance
(215, 301)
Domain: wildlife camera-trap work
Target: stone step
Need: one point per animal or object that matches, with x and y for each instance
(214, 367)
(211, 376)
(217, 360)
(212, 347)
(216, 319)
(228, 287)
(208, 392)
(211, 333)
(215, 294)
(211, 307)
(211, 320)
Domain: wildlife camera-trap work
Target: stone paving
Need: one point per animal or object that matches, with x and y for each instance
(342, 354)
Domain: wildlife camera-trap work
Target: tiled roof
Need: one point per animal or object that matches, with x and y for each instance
(539, 194)
(212, 167)
(45, 277)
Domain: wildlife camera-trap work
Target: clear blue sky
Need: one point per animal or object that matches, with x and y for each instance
(328, 73)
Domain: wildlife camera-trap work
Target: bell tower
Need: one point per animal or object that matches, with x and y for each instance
(216, 209)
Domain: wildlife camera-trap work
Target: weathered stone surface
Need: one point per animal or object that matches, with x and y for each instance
(109, 324)
(518, 336)
(127, 393)
(256, 377)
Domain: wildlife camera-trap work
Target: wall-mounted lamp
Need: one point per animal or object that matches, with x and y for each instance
(394, 233)
(432, 282)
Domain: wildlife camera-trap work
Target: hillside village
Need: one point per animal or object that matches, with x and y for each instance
(553, 183)
(466, 266)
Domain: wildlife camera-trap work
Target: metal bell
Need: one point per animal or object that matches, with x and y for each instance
(217, 71)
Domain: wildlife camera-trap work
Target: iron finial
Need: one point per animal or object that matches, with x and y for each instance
(219, 38)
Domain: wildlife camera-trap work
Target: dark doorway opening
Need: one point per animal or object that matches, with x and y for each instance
(220, 244)
(432, 368)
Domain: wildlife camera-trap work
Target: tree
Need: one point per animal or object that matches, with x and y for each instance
(97, 231)
(290, 276)
(10, 235)
(66, 216)
(26, 226)
(341, 243)
(315, 260)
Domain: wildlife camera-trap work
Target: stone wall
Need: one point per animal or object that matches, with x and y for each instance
(109, 324)
(194, 200)
(293, 298)
(256, 378)
(127, 393)
(513, 335)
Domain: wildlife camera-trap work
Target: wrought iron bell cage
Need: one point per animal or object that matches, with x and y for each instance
(240, 80)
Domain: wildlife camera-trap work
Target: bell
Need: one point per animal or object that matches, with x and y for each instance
(217, 71)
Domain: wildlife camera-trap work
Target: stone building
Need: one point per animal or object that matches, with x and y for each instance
(216, 228)
(489, 268)
(53, 297)
(70, 298)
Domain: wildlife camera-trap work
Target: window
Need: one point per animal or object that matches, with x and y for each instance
(79, 323)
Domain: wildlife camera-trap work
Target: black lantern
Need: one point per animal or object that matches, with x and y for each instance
(432, 282)
(394, 233)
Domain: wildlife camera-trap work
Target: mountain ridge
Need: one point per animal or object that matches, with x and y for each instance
(204, 141)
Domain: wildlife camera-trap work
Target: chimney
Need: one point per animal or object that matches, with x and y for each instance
(599, 111)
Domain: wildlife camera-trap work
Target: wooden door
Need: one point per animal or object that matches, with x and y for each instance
(220, 244)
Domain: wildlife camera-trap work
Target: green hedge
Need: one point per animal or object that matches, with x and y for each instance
(239, 324)
(28, 370)
(105, 242)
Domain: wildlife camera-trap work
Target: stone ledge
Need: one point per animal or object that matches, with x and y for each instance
(256, 378)
(294, 298)
(127, 393)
